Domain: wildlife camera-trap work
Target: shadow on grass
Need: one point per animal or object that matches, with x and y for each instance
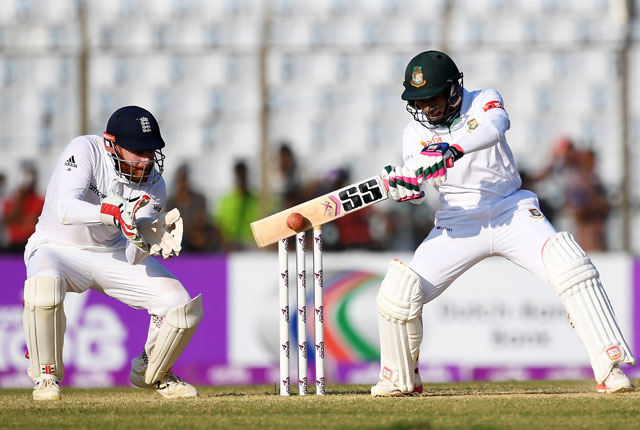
(499, 393)
(403, 425)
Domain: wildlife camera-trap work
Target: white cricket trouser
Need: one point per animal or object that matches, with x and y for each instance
(148, 285)
(509, 228)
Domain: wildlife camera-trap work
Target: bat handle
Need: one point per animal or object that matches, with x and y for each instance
(449, 162)
(385, 182)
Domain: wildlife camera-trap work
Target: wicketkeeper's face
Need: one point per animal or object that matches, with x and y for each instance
(136, 164)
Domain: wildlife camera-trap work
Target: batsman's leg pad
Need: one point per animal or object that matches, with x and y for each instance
(577, 282)
(177, 330)
(399, 304)
(44, 325)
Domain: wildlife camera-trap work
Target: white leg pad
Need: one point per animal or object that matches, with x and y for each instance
(400, 323)
(44, 325)
(177, 330)
(577, 282)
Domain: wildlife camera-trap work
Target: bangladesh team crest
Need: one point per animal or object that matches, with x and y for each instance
(417, 77)
(535, 213)
(472, 124)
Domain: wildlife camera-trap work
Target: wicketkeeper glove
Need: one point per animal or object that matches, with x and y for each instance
(164, 234)
(120, 212)
(436, 159)
(403, 184)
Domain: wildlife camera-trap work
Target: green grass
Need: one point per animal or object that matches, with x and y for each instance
(475, 405)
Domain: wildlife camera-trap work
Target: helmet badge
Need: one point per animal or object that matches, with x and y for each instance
(144, 123)
(417, 77)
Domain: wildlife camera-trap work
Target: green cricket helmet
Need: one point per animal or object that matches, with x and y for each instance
(429, 74)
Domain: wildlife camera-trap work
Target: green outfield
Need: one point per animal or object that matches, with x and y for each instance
(490, 405)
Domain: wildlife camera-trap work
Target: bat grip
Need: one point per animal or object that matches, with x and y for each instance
(449, 162)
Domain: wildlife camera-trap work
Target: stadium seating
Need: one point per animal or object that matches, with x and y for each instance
(333, 68)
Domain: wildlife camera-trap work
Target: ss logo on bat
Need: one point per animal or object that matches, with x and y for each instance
(364, 193)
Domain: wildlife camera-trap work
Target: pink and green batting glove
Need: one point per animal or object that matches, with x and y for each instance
(436, 159)
(403, 183)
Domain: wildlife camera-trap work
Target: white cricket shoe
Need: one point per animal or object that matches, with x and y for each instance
(173, 387)
(385, 388)
(616, 382)
(169, 387)
(47, 388)
(138, 368)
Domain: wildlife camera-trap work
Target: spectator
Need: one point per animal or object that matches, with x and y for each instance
(556, 181)
(286, 183)
(22, 209)
(564, 165)
(546, 208)
(199, 234)
(588, 205)
(236, 210)
(579, 193)
(352, 231)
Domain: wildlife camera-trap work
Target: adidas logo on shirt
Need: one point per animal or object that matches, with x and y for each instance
(71, 162)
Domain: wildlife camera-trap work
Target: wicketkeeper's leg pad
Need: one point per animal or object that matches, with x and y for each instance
(399, 304)
(44, 325)
(576, 280)
(177, 330)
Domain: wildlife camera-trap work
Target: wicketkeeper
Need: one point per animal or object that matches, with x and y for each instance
(101, 220)
(457, 144)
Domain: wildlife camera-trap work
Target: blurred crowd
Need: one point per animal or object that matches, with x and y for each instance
(568, 188)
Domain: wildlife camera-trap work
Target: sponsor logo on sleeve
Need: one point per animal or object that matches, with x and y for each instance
(157, 208)
(94, 188)
(493, 104)
(71, 162)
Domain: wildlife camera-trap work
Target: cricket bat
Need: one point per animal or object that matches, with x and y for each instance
(321, 210)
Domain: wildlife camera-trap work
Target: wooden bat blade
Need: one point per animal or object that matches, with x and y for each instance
(320, 210)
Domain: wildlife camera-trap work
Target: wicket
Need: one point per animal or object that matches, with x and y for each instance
(283, 287)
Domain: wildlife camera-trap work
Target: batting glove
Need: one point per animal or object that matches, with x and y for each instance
(120, 212)
(403, 184)
(164, 234)
(436, 159)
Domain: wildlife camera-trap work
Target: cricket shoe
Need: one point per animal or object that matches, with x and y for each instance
(47, 388)
(385, 388)
(138, 369)
(172, 386)
(169, 387)
(616, 382)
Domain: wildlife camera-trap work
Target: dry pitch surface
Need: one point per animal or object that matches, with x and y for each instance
(496, 405)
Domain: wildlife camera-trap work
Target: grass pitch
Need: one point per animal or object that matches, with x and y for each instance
(475, 405)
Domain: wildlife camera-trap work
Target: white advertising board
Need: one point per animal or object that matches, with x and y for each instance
(496, 314)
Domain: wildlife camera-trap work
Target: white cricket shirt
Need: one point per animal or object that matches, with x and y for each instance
(486, 173)
(83, 176)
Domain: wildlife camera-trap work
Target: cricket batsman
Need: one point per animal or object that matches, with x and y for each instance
(457, 144)
(101, 220)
